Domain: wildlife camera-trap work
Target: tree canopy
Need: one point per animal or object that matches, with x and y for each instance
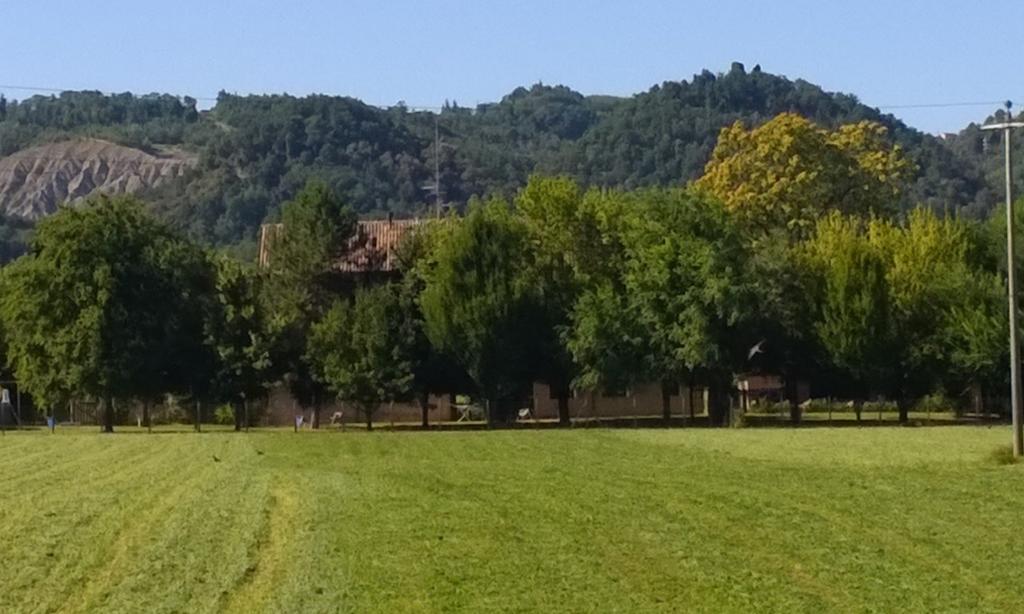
(242, 335)
(362, 350)
(109, 303)
(303, 282)
(480, 305)
(788, 172)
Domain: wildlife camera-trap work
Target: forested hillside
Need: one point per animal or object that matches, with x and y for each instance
(254, 152)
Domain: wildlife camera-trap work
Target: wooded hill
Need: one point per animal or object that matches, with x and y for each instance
(254, 152)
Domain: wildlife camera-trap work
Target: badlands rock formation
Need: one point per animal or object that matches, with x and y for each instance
(35, 181)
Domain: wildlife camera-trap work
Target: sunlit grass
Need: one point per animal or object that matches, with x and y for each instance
(815, 519)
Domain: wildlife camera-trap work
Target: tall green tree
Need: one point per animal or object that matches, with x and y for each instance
(361, 351)
(304, 282)
(434, 371)
(686, 281)
(108, 304)
(240, 332)
(551, 208)
(975, 333)
(605, 337)
(927, 271)
(854, 319)
(906, 308)
(780, 321)
(480, 305)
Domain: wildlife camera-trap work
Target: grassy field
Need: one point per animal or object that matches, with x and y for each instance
(882, 519)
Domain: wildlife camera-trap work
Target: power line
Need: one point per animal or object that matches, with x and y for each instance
(29, 88)
(939, 105)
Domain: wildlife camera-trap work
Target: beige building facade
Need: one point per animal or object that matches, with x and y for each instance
(642, 400)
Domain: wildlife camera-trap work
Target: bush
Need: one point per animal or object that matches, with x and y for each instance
(818, 406)
(877, 407)
(769, 407)
(173, 410)
(936, 402)
(224, 415)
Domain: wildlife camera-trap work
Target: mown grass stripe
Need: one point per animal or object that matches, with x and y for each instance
(596, 520)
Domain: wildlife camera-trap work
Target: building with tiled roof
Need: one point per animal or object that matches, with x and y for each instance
(372, 249)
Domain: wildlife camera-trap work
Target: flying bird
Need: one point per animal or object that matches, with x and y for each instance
(757, 349)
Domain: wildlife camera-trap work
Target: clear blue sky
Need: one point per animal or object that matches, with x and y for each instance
(423, 52)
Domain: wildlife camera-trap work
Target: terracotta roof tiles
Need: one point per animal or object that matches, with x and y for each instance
(373, 248)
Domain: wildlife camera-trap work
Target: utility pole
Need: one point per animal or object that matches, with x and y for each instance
(1011, 283)
(437, 164)
(436, 186)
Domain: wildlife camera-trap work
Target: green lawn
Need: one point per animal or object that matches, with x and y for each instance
(818, 519)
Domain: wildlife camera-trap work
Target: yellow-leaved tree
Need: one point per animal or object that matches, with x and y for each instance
(788, 172)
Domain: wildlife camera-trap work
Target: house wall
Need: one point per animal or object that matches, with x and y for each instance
(760, 382)
(282, 409)
(643, 400)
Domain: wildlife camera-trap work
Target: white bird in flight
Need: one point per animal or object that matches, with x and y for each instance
(757, 349)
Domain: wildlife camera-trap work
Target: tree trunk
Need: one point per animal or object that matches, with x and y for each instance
(147, 420)
(108, 415)
(492, 411)
(792, 394)
(238, 416)
(689, 393)
(666, 403)
(719, 403)
(199, 416)
(315, 418)
(499, 413)
(368, 414)
(902, 402)
(425, 409)
(563, 408)
(246, 406)
(977, 402)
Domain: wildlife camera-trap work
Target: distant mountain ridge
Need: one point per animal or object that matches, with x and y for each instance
(250, 153)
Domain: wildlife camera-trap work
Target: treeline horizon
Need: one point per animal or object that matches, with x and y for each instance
(793, 240)
(256, 152)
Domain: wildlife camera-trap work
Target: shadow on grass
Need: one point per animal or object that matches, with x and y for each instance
(818, 421)
(1003, 455)
(770, 421)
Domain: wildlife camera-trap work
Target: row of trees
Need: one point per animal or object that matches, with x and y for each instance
(789, 242)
